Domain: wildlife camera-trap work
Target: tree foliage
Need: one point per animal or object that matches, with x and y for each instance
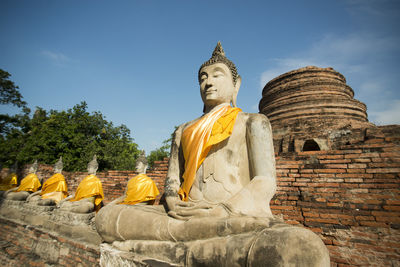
(76, 135)
(9, 94)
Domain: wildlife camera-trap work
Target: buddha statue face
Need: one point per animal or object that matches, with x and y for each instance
(33, 167)
(58, 167)
(93, 166)
(140, 167)
(216, 85)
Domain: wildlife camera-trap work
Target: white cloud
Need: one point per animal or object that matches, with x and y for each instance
(57, 58)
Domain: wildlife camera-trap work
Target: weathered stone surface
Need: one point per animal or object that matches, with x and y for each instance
(77, 226)
(279, 245)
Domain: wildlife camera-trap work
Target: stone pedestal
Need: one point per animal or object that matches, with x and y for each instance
(80, 227)
(280, 245)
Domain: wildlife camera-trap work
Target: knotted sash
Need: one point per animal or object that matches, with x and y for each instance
(90, 187)
(55, 188)
(29, 183)
(198, 138)
(140, 188)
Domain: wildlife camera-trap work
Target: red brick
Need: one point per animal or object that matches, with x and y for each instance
(329, 170)
(384, 170)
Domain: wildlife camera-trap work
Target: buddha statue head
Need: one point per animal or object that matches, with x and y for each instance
(58, 167)
(33, 167)
(219, 80)
(141, 163)
(93, 166)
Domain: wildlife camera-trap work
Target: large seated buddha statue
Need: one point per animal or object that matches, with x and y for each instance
(53, 189)
(141, 189)
(221, 178)
(29, 185)
(89, 194)
(10, 181)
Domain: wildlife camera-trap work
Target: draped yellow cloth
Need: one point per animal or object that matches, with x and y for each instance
(198, 138)
(29, 183)
(90, 187)
(55, 188)
(140, 188)
(9, 182)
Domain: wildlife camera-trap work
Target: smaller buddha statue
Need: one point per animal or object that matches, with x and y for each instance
(29, 185)
(89, 194)
(141, 189)
(10, 181)
(53, 190)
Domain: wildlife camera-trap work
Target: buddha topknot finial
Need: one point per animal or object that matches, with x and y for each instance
(218, 50)
(218, 56)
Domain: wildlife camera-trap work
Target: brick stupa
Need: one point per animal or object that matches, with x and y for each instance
(310, 107)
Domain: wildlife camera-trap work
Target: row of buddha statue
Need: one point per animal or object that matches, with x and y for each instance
(88, 196)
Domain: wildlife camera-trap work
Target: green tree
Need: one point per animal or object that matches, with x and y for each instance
(9, 94)
(74, 134)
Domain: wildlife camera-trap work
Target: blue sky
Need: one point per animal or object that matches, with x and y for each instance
(137, 61)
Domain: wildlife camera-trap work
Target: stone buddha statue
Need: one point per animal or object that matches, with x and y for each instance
(89, 194)
(141, 189)
(221, 178)
(10, 181)
(53, 190)
(29, 185)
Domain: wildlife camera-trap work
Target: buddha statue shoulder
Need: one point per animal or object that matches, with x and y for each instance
(53, 189)
(221, 178)
(89, 194)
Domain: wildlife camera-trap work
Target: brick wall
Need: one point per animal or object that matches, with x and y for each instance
(349, 197)
(22, 245)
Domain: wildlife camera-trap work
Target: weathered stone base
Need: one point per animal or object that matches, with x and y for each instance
(280, 245)
(32, 235)
(80, 227)
(113, 257)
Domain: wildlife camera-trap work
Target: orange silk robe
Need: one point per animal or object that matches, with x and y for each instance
(29, 183)
(9, 182)
(198, 138)
(140, 188)
(55, 188)
(90, 187)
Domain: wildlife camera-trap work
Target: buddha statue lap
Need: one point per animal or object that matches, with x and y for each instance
(141, 189)
(89, 194)
(29, 185)
(53, 189)
(221, 178)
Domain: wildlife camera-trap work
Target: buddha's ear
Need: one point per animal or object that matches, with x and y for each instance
(235, 93)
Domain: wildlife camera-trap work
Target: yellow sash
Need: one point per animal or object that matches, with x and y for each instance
(198, 138)
(140, 188)
(55, 187)
(9, 182)
(29, 183)
(90, 187)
